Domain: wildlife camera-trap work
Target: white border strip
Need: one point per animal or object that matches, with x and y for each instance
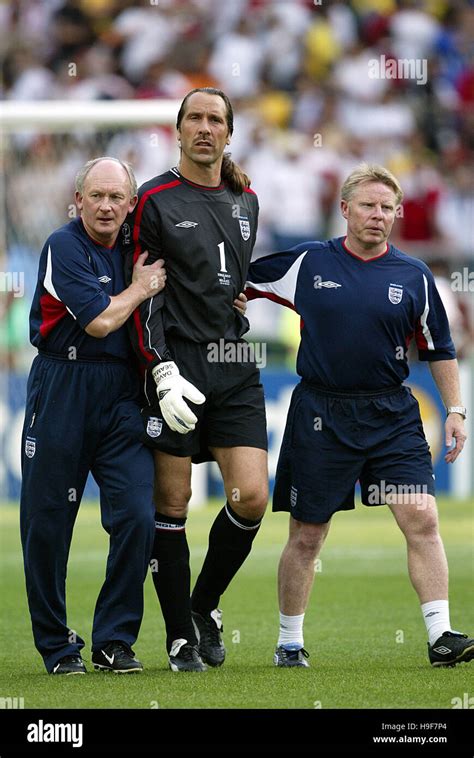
(424, 318)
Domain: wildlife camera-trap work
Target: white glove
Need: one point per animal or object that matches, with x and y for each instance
(171, 387)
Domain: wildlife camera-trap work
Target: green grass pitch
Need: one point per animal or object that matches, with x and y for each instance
(363, 627)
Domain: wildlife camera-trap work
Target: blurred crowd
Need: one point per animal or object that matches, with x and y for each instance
(314, 90)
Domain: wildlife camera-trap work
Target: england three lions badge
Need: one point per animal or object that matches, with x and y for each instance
(154, 426)
(395, 293)
(244, 228)
(30, 447)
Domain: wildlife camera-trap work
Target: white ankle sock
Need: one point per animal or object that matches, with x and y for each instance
(436, 616)
(291, 629)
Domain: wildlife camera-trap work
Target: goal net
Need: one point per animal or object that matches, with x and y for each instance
(43, 144)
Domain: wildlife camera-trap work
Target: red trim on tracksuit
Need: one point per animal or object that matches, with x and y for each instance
(52, 312)
(364, 260)
(137, 251)
(252, 294)
(420, 338)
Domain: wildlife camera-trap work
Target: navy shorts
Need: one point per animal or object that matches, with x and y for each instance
(332, 440)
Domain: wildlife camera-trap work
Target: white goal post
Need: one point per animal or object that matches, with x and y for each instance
(56, 115)
(20, 121)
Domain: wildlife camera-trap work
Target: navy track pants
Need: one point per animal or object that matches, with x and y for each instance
(81, 417)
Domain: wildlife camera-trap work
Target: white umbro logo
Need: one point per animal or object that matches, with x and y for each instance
(187, 224)
(105, 279)
(442, 650)
(319, 284)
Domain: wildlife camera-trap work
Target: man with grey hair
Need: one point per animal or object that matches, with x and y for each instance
(361, 302)
(82, 415)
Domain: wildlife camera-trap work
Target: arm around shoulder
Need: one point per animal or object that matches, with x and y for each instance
(147, 281)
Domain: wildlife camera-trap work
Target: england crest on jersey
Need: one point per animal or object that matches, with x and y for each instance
(30, 447)
(395, 293)
(244, 228)
(154, 426)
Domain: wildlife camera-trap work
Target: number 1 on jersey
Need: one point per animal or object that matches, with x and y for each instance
(222, 256)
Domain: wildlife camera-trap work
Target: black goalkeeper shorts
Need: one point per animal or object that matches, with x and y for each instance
(233, 414)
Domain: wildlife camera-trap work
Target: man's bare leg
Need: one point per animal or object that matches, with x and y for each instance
(295, 581)
(296, 567)
(417, 517)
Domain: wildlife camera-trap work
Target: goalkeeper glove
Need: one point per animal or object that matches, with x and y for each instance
(171, 388)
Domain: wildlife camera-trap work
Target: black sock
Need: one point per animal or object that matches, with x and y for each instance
(172, 578)
(230, 542)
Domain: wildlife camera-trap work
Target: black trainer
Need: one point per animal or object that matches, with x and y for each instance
(209, 633)
(185, 657)
(451, 648)
(289, 656)
(116, 656)
(69, 664)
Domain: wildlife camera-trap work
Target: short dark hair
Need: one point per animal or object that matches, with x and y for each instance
(229, 113)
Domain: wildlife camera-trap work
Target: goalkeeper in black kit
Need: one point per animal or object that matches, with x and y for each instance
(201, 218)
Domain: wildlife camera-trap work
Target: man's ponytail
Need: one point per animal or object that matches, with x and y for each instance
(233, 175)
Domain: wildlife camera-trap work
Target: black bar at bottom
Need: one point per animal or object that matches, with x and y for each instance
(151, 732)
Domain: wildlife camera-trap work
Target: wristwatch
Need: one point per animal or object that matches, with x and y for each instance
(456, 409)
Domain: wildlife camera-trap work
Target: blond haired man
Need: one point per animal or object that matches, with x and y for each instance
(351, 417)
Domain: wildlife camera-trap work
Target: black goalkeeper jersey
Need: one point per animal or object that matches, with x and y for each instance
(206, 237)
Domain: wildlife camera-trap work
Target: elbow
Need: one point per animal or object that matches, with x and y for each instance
(98, 328)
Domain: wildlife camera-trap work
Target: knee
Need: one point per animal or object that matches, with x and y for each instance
(308, 540)
(173, 501)
(252, 504)
(423, 526)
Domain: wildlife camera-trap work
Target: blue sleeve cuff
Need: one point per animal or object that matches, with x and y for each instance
(87, 314)
(437, 355)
